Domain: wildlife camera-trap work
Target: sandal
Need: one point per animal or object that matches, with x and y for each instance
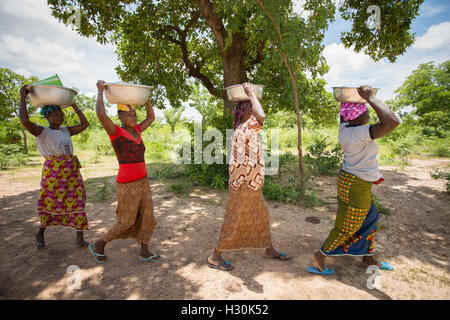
(95, 254)
(282, 256)
(382, 265)
(386, 266)
(226, 266)
(316, 270)
(154, 257)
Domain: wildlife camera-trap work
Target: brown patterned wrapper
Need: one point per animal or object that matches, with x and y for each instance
(134, 212)
(247, 222)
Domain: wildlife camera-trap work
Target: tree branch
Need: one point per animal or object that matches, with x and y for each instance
(193, 69)
(259, 55)
(213, 21)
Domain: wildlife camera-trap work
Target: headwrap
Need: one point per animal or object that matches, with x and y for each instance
(240, 110)
(46, 110)
(125, 107)
(351, 111)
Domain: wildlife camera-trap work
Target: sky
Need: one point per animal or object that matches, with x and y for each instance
(33, 42)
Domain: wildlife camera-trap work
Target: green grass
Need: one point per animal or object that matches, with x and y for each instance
(178, 187)
(381, 207)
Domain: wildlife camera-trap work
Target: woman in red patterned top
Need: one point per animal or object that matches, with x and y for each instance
(134, 207)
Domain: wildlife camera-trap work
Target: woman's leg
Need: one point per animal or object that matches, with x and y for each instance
(319, 260)
(81, 243)
(40, 238)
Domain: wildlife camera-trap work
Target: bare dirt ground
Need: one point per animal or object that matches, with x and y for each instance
(414, 238)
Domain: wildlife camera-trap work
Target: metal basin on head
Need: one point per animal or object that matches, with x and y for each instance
(127, 93)
(44, 94)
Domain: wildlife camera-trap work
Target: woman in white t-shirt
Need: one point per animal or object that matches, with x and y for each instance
(62, 197)
(357, 216)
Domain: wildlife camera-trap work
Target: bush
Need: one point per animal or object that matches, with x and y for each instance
(381, 207)
(291, 193)
(403, 151)
(322, 161)
(387, 158)
(103, 146)
(177, 187)
(12, 155)
(441, 151)
(443, 175)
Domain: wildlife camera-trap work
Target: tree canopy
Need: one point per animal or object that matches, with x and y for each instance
(426, 92)
(221, 43)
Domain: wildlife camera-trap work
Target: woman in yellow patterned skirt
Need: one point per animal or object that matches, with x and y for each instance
(62, 197)
(357, 216)
(246, 223)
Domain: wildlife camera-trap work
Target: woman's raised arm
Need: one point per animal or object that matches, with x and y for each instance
(388, 119)
(33, 128)
(106, 122)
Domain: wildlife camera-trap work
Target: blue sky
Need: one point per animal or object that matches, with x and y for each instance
(35, 43)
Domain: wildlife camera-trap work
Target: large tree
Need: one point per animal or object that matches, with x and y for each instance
(425, 94)
(225, 42)
(10, 84)
(220, 43)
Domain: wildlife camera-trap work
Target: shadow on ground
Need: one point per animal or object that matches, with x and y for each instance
(187, 231)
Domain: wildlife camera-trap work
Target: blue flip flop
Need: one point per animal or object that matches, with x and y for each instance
(282, 256)
(153, 258)
(386, 266)
(222, 266)
(95, 254)
(316, 270)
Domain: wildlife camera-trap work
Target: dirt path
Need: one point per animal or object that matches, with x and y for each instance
(414, 238)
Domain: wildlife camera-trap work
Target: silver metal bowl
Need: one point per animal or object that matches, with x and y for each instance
(349, 94)
(127, 93)
(236, 93)
(44, 94)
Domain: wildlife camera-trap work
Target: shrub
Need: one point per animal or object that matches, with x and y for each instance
(442, 151)
(403, 151)
(322, 161)
(12, 155)
(381, 207)
(177, 187)
(219, 182)
(443, 175)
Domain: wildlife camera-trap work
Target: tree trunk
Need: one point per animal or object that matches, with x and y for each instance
(233, 60)
(299, 138)
(24, 140)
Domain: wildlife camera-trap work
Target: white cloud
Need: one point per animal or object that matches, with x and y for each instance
(436, 37)
(427, 10)
(348, 68)
(33, 42)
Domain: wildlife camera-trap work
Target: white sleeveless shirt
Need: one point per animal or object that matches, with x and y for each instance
(54, 142)
(360, 152)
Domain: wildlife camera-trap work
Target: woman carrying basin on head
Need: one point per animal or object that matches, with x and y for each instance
(357, 216)
(62, 197)
(134, 212)
(247, 222)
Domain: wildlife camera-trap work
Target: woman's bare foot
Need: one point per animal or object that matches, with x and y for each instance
(319, 260)
(99, 248)
(215, 261)
(272, 253)
(368, 261)
(147, 254)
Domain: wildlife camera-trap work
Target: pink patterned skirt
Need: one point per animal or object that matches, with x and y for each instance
(62, 198)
